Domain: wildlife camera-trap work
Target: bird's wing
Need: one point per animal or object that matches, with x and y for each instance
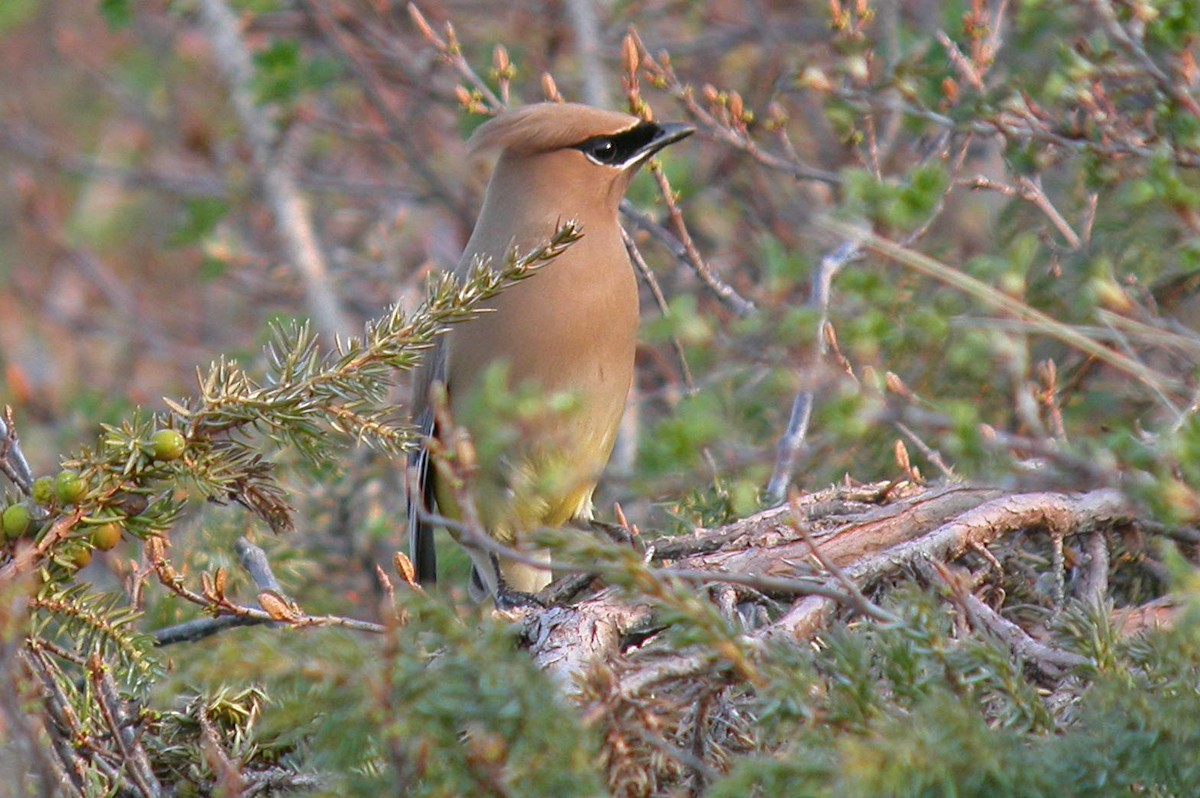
(422, 475)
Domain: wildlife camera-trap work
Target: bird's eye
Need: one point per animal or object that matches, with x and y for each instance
(602, 150)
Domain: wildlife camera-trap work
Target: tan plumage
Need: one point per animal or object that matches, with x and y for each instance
(570, 328)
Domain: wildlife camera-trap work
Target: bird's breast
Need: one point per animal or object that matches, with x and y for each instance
(570, 327)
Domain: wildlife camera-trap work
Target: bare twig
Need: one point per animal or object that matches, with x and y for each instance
(451, 52)
(213, 600)
(643, 269)
(859, 602)
(1030, 190)
(69, 760)
(735, 137)
(12, 460)
(723, 291)
(228, 774)
(793, 439)
(1093, 588)
(254, 560)
(1051, 661)
(133, 755)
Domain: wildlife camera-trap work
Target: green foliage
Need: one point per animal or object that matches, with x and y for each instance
(496, 722)
(116, 12)
(16, 12)
(76, 618)
(283, 73)
(201, 216)
(908, 711)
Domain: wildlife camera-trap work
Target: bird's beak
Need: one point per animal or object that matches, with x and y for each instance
(667, 133)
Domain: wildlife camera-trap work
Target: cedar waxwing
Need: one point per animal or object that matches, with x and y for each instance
(568, 330)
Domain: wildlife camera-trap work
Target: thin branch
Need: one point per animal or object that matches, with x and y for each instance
(858, 600)
(1030, 190)
(1051, 661)
(12, 460)
(214, 601)
(133, 755)
(793, 439)
(723, 291)
(643, 269)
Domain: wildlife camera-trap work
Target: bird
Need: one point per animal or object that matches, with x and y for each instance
(568, 330)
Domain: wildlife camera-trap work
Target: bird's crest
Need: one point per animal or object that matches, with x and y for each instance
(547, 126)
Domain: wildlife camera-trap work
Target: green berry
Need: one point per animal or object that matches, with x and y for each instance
(15, 521)
(69, 487)
(106, 536)
(168, 444)
(43, 490)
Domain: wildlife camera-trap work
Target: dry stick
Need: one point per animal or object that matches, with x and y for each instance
(1180, 338)
(793, 438)
(861, 602)
(1125, 346)
(68, 758)
(253, 559)
(287, 204)
(1094, 587)
(12, 460)
(1060, 513)
(1013, 124)
(133, 755)
(960, 62)
(931, 454)
(643, 268)
(1030, 191)
(725, 292)
(1049, 660)
(227, 773)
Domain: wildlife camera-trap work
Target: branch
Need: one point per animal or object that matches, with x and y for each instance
(792, 441)
(12, 460)
(276, 174)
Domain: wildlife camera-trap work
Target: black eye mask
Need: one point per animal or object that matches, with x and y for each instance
(621, 148)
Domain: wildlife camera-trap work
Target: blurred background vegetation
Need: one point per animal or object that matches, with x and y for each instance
(1047, 150)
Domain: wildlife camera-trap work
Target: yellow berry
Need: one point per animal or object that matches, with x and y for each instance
(106, 536)
(168, 444)
(81, 557)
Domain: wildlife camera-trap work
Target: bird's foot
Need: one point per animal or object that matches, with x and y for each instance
(508, 600)
(617, 533)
